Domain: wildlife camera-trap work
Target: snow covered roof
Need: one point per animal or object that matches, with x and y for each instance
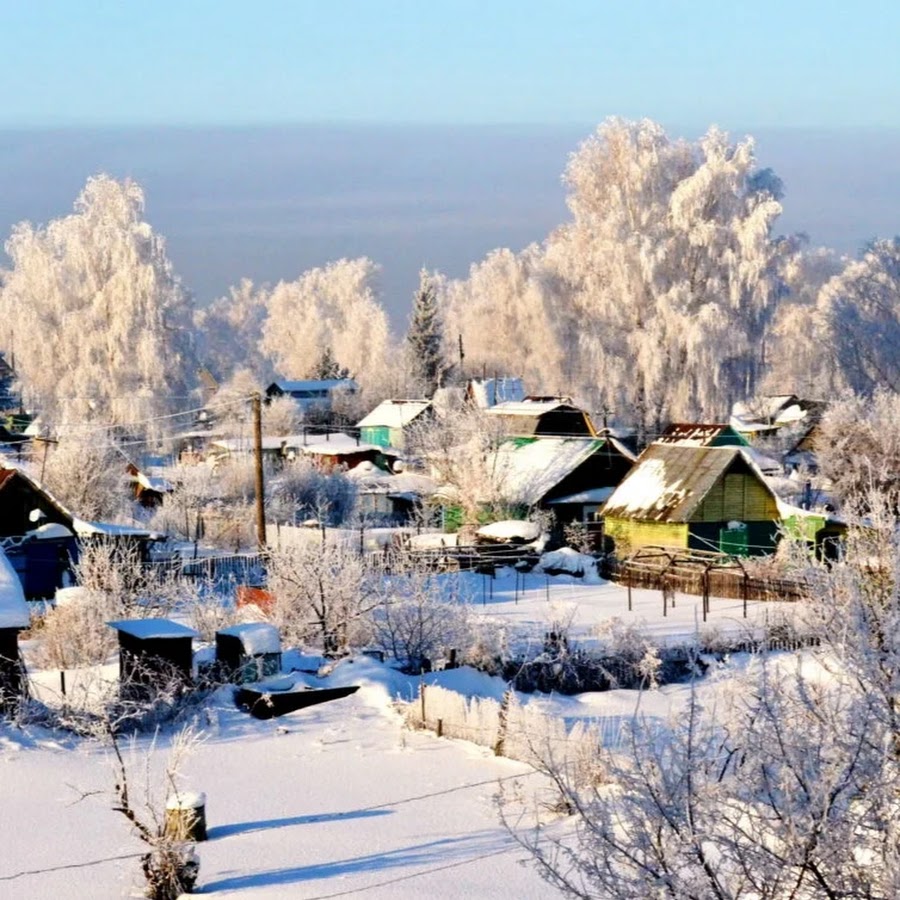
(256, 637)
(152, 629)
(311, 385)
(394, 413)
(372, 480)
(529, 407)
(109, 529)
(669, 481)
(510, 529)
(330, 443)
(526, 470)
(13, 605)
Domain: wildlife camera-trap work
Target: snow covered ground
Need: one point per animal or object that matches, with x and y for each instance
(338, 800)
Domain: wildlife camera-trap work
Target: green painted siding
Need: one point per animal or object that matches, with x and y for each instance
(376, 434)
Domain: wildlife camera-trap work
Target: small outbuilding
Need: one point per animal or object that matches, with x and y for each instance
(154, 652)
(543, 416)
(248, 652)
(389, 423)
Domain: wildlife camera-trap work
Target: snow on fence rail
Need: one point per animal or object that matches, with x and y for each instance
(511, 729)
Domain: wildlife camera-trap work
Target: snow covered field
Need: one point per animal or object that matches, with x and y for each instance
(337, 800)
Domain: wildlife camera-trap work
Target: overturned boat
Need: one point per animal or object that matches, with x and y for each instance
(278, 696)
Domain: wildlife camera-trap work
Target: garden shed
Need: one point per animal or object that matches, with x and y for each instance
(387, 425)
(248, 652)
(701, 498)
(154, 651)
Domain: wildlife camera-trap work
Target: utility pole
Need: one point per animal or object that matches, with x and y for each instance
(260, 483)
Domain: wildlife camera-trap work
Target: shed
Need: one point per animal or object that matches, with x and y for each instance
(248, 652)
(154, 651)
(14, 617)
(702, 498)
(388, 424)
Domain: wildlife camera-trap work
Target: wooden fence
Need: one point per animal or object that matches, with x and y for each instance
(705, 581)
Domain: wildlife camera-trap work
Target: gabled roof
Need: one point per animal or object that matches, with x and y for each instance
(701, 435)
(394, 413)
(526, 469)
(669, 481)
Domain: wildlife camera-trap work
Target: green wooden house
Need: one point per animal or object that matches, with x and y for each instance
(700, 498)
(388, 423)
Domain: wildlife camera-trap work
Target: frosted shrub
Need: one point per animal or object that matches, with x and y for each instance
(416, 623)
(76, 634)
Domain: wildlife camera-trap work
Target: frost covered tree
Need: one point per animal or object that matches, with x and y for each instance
(335, 308)
(797, 357)
(323, 590)
(862, 305)
(424, 337)
(230, 331)
(858, 447)
(668, 264)
(511, 320)
(86, 471)
(99, 323)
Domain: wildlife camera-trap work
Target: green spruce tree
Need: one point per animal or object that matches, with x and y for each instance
(423, 338)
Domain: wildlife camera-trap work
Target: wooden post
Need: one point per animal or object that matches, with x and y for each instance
(260, 481)
(629, 596)
(705, 593)
(422, 701)
(744, 592)
(186, 816)
(440, 728)
(62, 682)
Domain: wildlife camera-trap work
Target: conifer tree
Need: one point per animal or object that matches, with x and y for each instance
(424, 339)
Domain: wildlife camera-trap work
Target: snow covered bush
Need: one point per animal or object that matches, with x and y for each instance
(323, 591)
(75, 633)
(302, 490)
(416, 622)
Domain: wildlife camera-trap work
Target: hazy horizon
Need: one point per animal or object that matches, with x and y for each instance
(267, 203)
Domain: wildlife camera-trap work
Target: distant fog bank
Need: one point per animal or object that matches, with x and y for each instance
(268, 203)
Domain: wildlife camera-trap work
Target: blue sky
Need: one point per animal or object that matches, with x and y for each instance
(685, 63)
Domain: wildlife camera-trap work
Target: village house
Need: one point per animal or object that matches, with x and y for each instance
(312, 395)
(701, 498)
(328, 449)
(389, 423)
(41, 536)
(570, 477)
(542, 416)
